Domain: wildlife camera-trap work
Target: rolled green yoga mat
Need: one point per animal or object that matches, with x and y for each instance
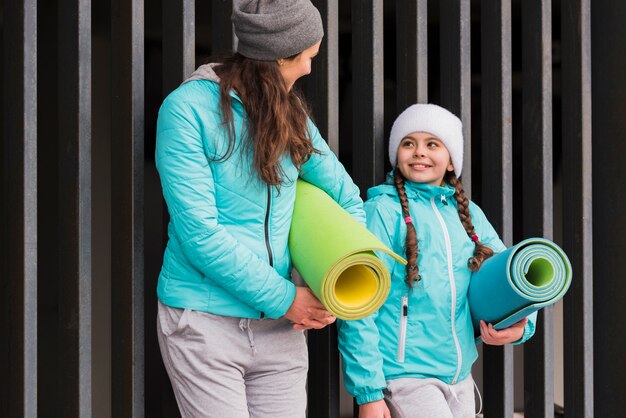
(334, 254)
(517, 282)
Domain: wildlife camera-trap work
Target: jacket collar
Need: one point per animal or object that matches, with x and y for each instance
(207, 72)
(414, 191)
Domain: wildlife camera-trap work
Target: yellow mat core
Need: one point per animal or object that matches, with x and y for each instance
(355, 286)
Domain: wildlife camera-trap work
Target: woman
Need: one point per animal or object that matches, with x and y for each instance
(231, 143)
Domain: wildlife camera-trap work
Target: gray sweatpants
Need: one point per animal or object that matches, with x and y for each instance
(232, 367)
(430, 398)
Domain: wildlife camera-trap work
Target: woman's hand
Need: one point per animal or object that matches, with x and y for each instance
(307, 312)
(376, 409)
(491, 336)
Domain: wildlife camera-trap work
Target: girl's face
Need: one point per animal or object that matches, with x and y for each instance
(422, 158)
(293, 69)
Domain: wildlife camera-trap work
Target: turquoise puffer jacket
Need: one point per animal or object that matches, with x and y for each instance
(227, 251)
(425, 332)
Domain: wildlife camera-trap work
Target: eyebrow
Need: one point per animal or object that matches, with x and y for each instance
(429, 138)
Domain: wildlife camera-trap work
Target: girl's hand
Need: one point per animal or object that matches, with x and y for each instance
(491, 336)
(376, 409)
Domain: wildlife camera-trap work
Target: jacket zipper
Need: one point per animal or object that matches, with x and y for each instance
(267, 226)
(452, 289)
(403, 320)
(267, 231)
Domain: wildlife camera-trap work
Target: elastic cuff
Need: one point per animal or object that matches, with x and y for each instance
(529, 331)
(370, 397)
(285, 304)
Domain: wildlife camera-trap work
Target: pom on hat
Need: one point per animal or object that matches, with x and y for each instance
(271, 29)
(436, 121)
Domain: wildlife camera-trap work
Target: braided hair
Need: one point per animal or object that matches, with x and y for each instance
(410, 243)
(481, 251)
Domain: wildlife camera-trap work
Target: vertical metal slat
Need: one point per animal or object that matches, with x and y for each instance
(20, 211)
(322, 85)
(412, 52)
(127, 252)
(75, 205)
(178, 18)
(222, 38)
(321, 88)
(577, 204)
(497, 177)
(368, 142)
(537, 189)
(456, 72)
(179, 42)
(609, 224)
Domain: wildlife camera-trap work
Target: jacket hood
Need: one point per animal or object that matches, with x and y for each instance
(413, 190)
(204, 72)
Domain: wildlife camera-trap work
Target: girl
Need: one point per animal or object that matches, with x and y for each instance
(413, 357)
(231, 143)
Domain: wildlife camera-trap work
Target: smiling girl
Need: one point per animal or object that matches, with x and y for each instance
(413, 357)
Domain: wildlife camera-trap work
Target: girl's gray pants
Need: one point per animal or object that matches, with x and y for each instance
(430, 398)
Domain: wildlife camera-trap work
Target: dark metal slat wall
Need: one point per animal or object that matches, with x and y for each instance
(320, 89)
(46, 323)
(74, 154)
(368, 142)
(455, 53)
(412, 52)
(127, 211)
(18, 315)
(179, 42)
(609, 143)
(538, 193)
(497, 177)
(577, 213)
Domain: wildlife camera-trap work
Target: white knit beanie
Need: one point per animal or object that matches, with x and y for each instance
(436, 121)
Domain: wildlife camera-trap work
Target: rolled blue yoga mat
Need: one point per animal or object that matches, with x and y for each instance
(517, 282)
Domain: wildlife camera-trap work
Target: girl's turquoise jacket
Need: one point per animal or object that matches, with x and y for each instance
(425, 332)
(227, 251)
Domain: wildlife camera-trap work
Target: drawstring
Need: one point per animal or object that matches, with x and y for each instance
(452, 392)
(244, 325)
(480, 399)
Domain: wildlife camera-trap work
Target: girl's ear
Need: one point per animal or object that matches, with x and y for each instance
(450, 166)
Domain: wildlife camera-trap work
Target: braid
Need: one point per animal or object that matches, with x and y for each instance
(481, 251)
(410, 244)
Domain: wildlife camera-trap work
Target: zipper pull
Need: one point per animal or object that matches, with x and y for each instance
(443, 200)
(405, 306)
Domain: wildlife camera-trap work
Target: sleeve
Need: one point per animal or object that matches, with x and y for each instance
(362, 361)
(359, 339)
(189, 191)
(485, 231)
(488, 235)
(529, 329)
(326, 172)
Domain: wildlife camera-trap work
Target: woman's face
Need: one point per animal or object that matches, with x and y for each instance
(293, 69)
(423, 158)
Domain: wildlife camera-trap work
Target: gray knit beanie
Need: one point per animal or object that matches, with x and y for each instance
(272, 29)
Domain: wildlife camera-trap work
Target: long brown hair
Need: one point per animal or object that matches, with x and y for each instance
(481, 251)
(276, 116)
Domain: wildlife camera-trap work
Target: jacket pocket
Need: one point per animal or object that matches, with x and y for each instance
(404, 313)
(172, 320)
